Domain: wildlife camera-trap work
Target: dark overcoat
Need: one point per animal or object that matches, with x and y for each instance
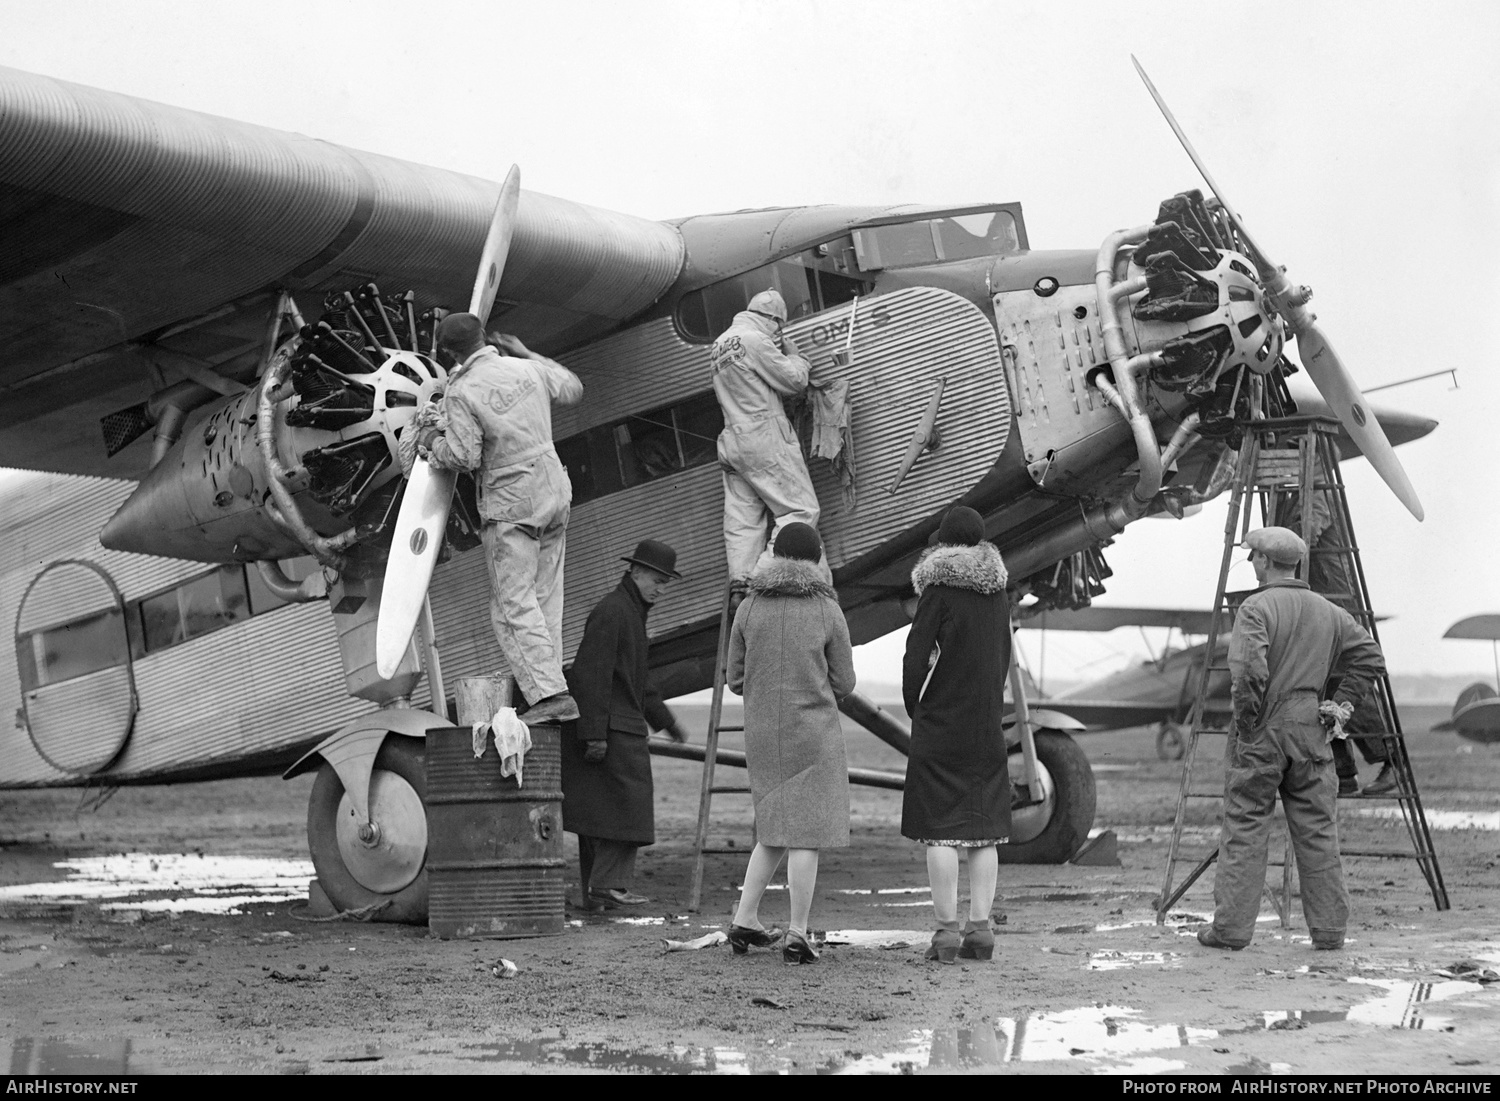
(612, 799)
(953, 684)
(789, 656)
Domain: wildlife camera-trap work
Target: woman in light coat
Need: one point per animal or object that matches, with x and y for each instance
(957, 793)
(789, 656)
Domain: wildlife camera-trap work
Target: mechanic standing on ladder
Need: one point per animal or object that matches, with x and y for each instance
(765, 476)
(1286, 641)
(496, 420)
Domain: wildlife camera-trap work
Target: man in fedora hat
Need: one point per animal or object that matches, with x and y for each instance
(606, 766)
(1286, 642)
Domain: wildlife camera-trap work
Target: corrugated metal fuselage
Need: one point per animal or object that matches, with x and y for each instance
(203, 705)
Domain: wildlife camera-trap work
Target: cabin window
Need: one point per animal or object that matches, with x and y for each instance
(72, 650)
(642, 447)
(579, 460)
(194, 608)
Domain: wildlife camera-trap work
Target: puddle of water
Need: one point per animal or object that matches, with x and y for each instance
(1442, 819)
(693, 1060)
(886, 891)
(1115, 961)
(878, 938)
(200, 884)
(73, 1057)
(1146, 834)
(638, 921)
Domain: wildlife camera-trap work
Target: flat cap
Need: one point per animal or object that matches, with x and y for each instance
(1281, 545)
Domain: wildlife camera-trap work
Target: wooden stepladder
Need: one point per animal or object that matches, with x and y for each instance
(1290, 464)
(711, 751)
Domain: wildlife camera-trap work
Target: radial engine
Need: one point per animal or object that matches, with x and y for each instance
(307, 460)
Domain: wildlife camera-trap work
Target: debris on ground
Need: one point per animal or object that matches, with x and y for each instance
(295, 976)
(1471, 970)
(707, 940)
(504, 969)
(770, 1003)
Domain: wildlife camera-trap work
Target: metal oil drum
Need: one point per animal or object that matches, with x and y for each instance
(495, 859)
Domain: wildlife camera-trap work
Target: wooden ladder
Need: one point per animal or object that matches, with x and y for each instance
(1288, 462)
(710, 758)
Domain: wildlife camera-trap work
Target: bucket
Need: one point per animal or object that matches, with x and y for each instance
(495, 862)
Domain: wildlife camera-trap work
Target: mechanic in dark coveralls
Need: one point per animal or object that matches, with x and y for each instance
(606, 766)
(1286, 642)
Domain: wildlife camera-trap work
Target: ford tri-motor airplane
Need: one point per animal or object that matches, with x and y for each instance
(241, 320)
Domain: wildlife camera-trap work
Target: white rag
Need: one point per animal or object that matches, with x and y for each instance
(1334, 716)
(512, 740)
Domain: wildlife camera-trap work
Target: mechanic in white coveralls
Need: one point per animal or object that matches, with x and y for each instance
(765, 475)
(496, 420)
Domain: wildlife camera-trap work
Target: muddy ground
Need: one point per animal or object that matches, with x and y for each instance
(1083, 980)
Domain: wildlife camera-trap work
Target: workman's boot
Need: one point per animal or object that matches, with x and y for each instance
(1348, 787)
(1210, 939)
(1327, 940)
(554, 709)
(1383, 784)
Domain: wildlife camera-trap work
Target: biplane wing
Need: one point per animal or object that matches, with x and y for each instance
(1190, 621)
(145, 244)
(1160, 690)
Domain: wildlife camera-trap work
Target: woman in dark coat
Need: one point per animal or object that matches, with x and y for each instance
(789, 656)
(953, 681)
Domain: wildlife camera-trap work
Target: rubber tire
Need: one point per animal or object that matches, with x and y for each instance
(407, 758)
(1073, 809)
(1171, 742)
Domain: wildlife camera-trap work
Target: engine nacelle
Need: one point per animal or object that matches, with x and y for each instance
(347, 397)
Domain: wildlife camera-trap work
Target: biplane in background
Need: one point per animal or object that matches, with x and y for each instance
(1476, 711)
(241, 320)
(1158, 691)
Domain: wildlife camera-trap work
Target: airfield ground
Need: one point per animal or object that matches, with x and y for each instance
(1083, 980)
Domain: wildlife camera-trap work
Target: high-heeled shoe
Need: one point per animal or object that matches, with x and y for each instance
(742, 938)
(945, 945)
(798, 949)
(978, 942)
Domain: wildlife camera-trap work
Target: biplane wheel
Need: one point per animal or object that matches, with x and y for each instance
(1169, 743)
(1052, 831)
(356, 875)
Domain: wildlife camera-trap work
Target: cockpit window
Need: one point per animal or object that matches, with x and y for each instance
(810, 282)
(835, 271)
(934, 240)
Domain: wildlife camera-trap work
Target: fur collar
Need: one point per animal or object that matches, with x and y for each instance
(978, 569)
(790, 577)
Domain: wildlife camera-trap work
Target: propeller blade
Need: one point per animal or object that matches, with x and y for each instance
(414, 549)
(423, 519)
(496, 246)
(1323, 364)
(1338, 388)
(1259, 257)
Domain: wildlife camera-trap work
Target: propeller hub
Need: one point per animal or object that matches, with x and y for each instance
(1256, 334)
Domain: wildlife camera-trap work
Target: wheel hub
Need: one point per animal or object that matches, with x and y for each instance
(1027, 823)
(385, 854)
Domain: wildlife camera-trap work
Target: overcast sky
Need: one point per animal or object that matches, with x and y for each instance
(1358, 140)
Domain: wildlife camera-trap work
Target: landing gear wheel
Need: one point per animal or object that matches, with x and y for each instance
(1052, 831)
(1170, 745)
(393, 870)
